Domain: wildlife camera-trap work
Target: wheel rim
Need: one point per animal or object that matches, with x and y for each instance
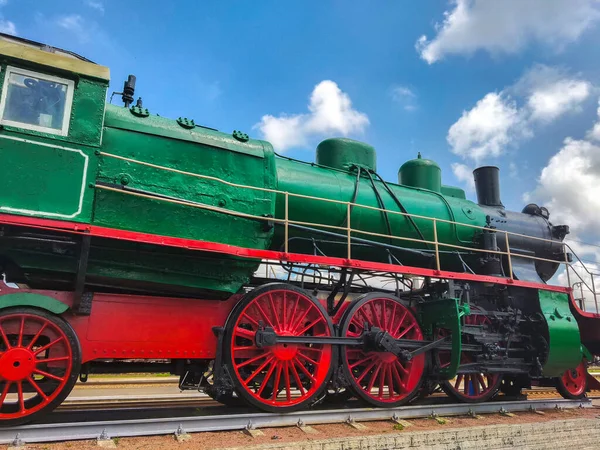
(36, 361)
(286, 374)
(574, 380)
(380, 376)
(469, 386)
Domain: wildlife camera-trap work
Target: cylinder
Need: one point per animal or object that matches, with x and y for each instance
(487, 186)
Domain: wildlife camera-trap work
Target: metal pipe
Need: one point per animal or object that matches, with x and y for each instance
(510, 270)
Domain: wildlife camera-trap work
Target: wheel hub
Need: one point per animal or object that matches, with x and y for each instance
(17, 364)
(285, 352)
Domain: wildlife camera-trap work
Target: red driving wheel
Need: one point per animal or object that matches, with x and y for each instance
(469, 387)
(573, 383)
(379, 377)
(283, 377)
(39, 363)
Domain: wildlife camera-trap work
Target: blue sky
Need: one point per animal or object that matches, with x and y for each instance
(501, 83)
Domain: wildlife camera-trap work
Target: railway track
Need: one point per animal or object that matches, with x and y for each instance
(104, 430)
(135, 400)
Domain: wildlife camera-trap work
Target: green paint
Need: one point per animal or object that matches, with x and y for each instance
(563, 332)
(342, 153)
(445, 313)
(421, 173)
(301, 178)
(35, 300)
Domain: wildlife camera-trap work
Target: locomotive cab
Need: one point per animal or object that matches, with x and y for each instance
(51, 116)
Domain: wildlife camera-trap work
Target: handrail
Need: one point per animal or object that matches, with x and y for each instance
(348, 230)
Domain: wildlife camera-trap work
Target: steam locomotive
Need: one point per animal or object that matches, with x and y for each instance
(141, 243)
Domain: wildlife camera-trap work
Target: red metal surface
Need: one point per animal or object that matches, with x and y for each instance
(144, 327)
(574, 380)
(287, 374)
(35, 364)
(380, 375)
(475, 386)
(260, 254)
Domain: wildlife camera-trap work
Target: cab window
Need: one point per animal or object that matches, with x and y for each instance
(36, 101)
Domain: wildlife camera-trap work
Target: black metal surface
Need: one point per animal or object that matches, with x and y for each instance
(487, 186)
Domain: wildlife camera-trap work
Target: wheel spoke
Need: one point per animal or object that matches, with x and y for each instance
(400, 322)
(21, 397)
(297, 378)
(36, 387)
(398, 378)
(4, 338)
(304, 370)
(286, 375)
(406, 330)
(21, 330)
(257, 371)
(362, 361)
(48, 375)
(37, 335)
(374, 312)
(308, 327)
(284, 323)
(482, 382)
(253, 360)
(293, 315)
(390, 381)
(274, 312)
(307, 359)
(5, 393)
(295, 327)
(48, 360)
(251, 319)
(366, 371)
(382, 380)
(373, 377)
(47, 346)
(383, 315)
(277, 379)
(391, 324)
(458, 380)
(403, 369)
(265, 381)
(263, 314)
(243, 332)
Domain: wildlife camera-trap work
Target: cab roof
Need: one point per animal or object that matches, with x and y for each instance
(45, 55)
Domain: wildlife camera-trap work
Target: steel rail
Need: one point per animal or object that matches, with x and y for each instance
(54, 432)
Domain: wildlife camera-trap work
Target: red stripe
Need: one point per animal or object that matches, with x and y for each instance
(191, 244)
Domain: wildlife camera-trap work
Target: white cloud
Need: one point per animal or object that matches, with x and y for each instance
(405, 97)
(570, 186)
(594, 133)
(75, 24)
(8, 27)
(464, 174)
(486, 129)
(97, 5)
(508, 26)
(551, 92)
(581, 281)
(330, 111)
(498, 121)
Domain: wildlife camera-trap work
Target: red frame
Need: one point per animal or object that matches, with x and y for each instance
(123, 326)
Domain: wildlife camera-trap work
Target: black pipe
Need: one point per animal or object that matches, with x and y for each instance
(487, 186)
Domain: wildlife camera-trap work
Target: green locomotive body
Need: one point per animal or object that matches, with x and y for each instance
(56, 176)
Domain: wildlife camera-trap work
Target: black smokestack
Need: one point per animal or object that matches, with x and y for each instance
(487, 185)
